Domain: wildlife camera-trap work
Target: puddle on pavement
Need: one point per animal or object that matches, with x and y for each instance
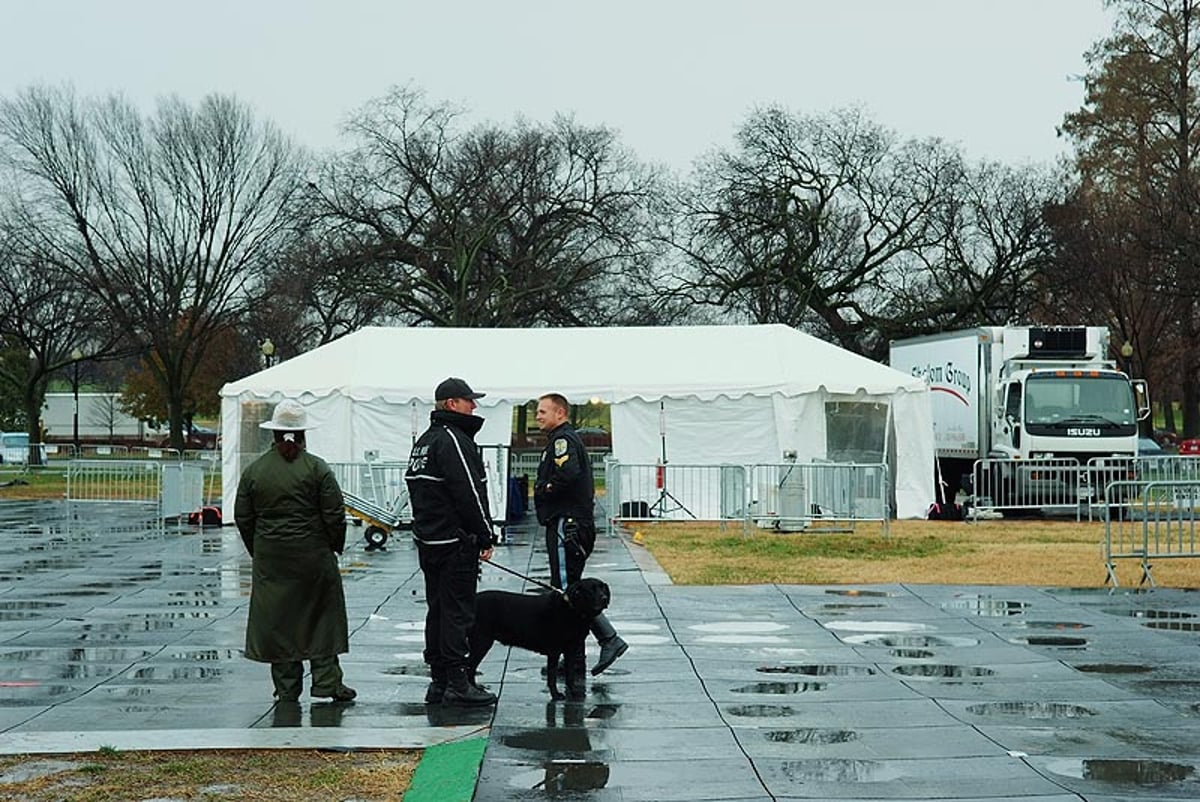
(175, 673)
(1060, 626)
(936, 671)
(739, 627)
(853, 592)
(985, 606)
(31, 693)
(878, 626)
(559, 777)
(760, 711)
(781, 687)
(551, 739)
(832, 770)
(28, 604)
(1061, 641)
(1113, 668)
(75, 655)
(811, 736)
(1174, 626)
(1035, 710)
(819, 670)
(912, 641)
(407, 671)
(851, 606)
(1123, 772)
(204, 655)
(1126, 612)
(912, 654)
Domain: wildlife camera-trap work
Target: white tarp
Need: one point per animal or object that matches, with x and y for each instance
(730, 394)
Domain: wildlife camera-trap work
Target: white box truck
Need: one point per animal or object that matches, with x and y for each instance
(1024, 392)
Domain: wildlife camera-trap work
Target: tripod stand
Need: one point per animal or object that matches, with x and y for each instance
(661, 508)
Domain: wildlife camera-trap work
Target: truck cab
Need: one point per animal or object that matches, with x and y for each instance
(1059, 411)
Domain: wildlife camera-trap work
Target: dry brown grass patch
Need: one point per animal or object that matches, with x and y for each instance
(112, 776)
(1038, 552)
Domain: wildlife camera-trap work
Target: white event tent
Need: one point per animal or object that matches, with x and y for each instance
(709, 395)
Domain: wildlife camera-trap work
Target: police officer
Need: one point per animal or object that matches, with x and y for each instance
(452, 527)
(565, 496)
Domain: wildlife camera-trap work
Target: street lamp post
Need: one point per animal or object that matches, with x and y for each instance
(76, 355)
(268, 352)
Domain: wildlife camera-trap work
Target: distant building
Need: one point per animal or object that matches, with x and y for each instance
(101, 419)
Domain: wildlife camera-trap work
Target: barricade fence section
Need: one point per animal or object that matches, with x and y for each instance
(787, 496)
(1157, 521)
(792, 496)
(381, 483)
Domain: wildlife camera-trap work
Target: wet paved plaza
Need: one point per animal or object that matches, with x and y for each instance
(115, 633)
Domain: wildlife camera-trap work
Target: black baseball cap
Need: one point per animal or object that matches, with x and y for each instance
(455, 388)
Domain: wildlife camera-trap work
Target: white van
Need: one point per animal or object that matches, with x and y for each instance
(14, 448)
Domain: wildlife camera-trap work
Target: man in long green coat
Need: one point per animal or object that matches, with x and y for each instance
(290, 514)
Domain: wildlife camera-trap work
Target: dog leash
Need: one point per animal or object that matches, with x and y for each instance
(518, 574)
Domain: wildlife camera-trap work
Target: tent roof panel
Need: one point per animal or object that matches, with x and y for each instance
(613, 364)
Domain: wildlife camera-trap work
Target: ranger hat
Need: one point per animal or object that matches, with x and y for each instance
(455, 388)
(289, 416)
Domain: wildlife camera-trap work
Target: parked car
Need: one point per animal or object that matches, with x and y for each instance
(200, 437)
(14, 448)
(1190, 447)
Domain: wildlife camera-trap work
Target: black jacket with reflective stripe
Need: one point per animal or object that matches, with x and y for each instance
(447, 484)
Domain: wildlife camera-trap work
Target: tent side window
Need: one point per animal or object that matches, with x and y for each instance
(855, 431)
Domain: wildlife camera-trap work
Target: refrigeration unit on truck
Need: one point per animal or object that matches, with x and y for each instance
(1025, 392)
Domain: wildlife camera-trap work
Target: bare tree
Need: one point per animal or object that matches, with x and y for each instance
(1137, 140)
(538, 224)
(834, 225)
(167, 219)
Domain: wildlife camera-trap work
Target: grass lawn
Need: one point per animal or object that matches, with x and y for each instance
(1001, 552)
(267, 775)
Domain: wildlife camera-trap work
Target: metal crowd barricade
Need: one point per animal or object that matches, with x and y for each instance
(159, 490)
(379, 483)
(785, 496)
(675, 492)
(1158, 522)
(1028, 484)
(792, 496)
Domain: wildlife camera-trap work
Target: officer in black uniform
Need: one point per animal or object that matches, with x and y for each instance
(565, 497)
(452, 527)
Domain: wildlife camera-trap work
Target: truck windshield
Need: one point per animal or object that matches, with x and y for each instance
(1053, 398)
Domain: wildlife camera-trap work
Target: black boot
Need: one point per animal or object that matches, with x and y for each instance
(437, 688)
(612, 645)
(460, 690)
(575, 667)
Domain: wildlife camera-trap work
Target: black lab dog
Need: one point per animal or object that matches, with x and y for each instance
(546, 623)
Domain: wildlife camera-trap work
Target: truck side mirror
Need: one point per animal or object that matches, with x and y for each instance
(1141, 394)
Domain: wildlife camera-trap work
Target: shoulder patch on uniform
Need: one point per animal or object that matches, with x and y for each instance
(560, 446)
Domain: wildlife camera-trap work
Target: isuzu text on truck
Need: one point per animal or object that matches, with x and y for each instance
(1049, 394)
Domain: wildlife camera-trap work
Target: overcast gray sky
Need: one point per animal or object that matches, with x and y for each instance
(673, 77)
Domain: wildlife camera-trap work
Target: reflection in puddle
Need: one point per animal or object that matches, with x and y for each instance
(912, 654)
(172, 673)
(735, 639)
(819, 670)
(760, 711)
(1175, 626)
(1114, 668)
(832, 770)
(1144, 613)
(1129, 772)
(1052, 640)
(878, 626)
(852, 592)
(560, 776)
(409, 670)
(1057, 625)
(985, 606)
(811, 736)
(28, 605)
(932, 671)
(781, 687)
(82, 655)
(1037, 710)
(845, 606)
(912, 641)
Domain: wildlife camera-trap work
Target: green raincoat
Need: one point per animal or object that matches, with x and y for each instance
(291, 518)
